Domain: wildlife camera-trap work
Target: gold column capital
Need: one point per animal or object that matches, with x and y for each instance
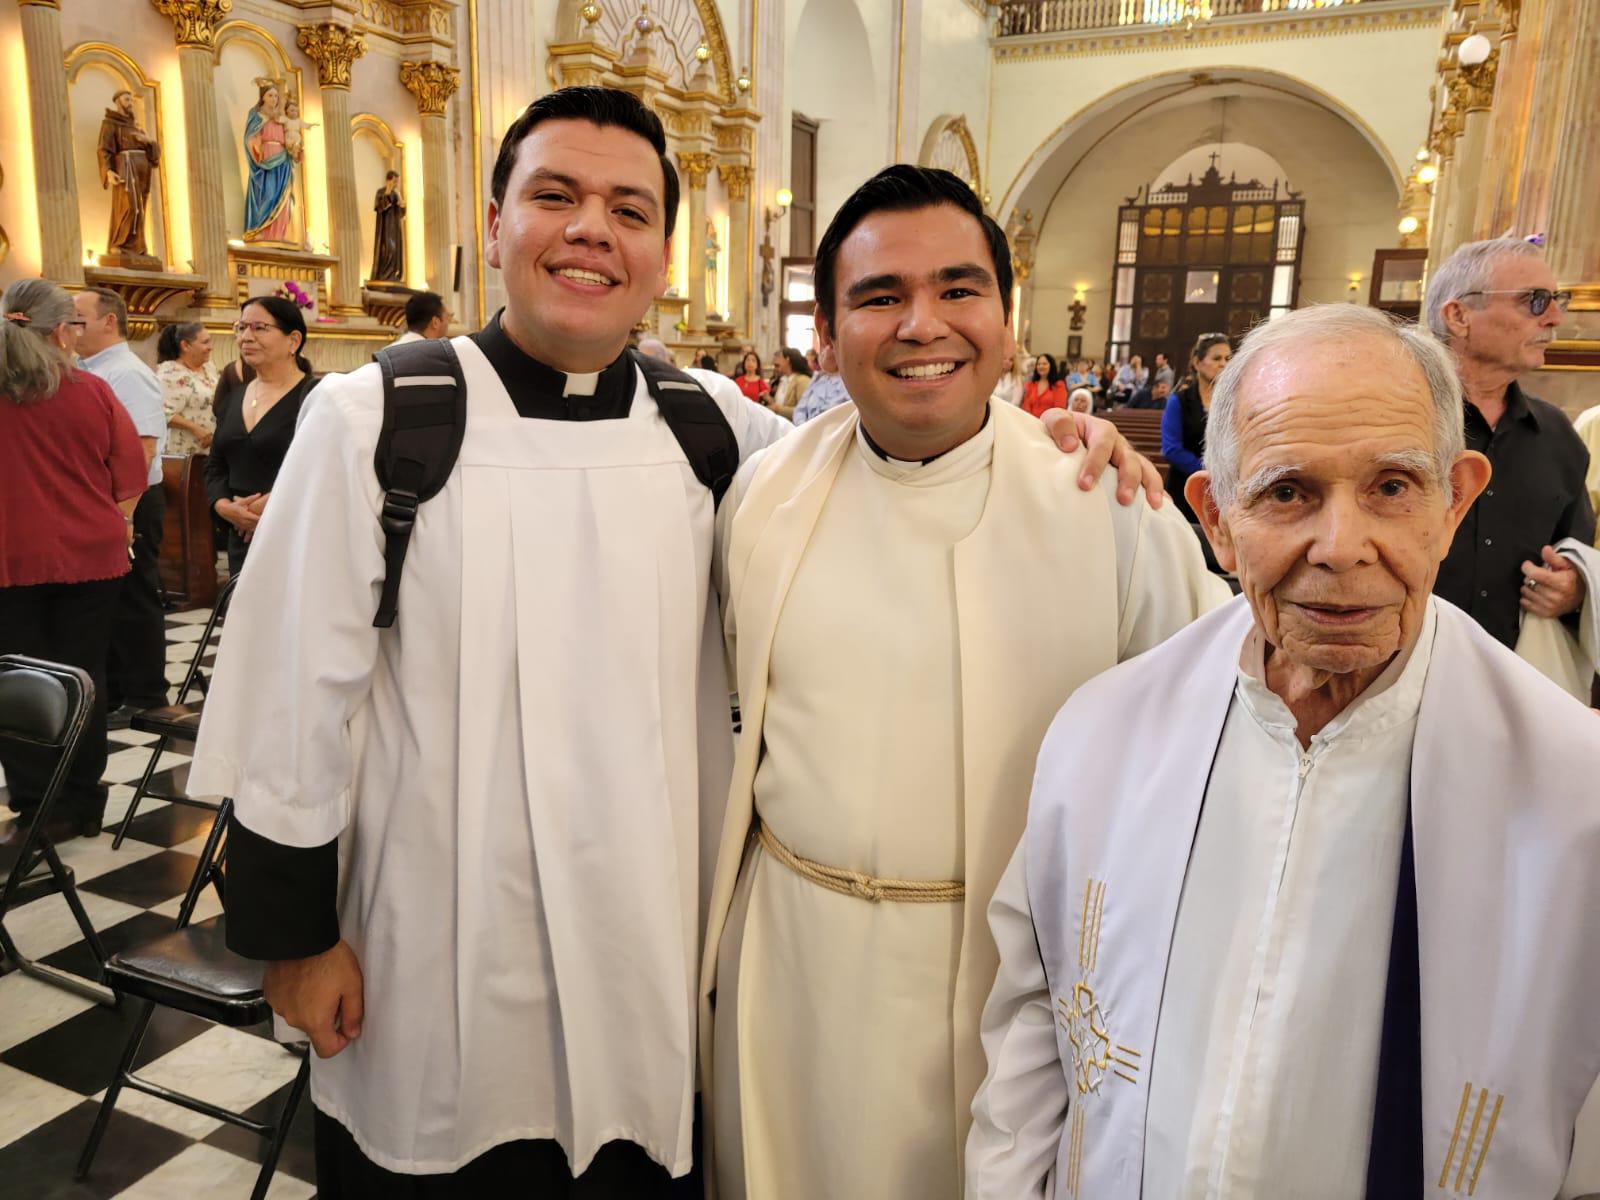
(194, 22)
(736, 179)
(333, 47)
(432, 83)
(697, 166)
(1510, 11)
(1477, 83)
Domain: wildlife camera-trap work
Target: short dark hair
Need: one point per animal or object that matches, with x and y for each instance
(905, 188)
(388, 175)
(797, 361)
(422, 308)
(599, 106)
(110, 302)
(707, 363)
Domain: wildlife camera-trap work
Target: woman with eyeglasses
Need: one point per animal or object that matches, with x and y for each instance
(1183, 424)
(70, 459)
(256, 419)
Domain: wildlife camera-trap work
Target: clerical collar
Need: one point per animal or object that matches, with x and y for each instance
(541, 392)
(907, 462)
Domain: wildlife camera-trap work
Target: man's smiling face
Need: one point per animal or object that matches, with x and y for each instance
(919, 328)
(580, 239)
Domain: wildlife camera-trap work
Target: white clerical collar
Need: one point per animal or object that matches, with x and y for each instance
(1395, 697)
(583, 384)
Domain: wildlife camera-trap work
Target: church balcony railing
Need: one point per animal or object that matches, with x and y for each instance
(1029, 18)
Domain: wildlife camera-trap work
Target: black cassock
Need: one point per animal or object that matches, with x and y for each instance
(388, 238)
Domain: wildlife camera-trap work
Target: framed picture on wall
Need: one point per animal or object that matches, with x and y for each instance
(1075, 346)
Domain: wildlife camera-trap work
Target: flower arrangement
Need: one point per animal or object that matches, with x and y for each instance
(682, 326)
(293, 291)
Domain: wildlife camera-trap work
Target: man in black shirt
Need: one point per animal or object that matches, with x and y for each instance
(1495, 304)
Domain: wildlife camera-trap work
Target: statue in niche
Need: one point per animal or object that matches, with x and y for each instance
(713, 259)
(389, 235)
(128, 156)
(269, 214)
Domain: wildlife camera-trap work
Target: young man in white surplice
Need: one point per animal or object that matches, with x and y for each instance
(469, 846)
(1325, 927)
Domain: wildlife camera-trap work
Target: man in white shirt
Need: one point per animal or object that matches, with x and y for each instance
(136, 671)
(1324, 928)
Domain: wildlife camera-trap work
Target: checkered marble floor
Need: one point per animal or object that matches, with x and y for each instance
(58, 1051)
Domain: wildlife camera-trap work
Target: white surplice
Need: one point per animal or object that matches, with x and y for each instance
(935, 616)
(1083, 1087)
(521, 772)
(1264, 1073)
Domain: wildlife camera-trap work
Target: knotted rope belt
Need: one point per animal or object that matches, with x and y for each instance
(854, 883)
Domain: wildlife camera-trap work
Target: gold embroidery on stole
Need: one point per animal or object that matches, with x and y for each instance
(1471, 1183)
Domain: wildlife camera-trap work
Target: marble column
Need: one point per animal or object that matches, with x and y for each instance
(696, 165)
(1508, 119)
(432, 84)
(334, 48)
(736, 179)
(1542, 144)
(60, 239)
(194, 25)
(1476, 94)
(1573, 244)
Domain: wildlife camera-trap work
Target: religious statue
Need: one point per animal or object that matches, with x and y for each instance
(389, 235)
(269, 199)
(713, 257)
(127, 157)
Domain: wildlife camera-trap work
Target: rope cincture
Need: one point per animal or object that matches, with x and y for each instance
(854, 883)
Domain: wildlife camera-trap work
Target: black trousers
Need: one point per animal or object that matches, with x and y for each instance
(525, 1170)
(66, 623)
(136, 671)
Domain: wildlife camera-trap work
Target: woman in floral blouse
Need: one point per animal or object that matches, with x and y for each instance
(188, 383)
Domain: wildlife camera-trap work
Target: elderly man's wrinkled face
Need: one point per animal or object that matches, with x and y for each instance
(1338, 526)
(1501, 329)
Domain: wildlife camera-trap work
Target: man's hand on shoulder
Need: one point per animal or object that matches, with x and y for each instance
(321, 996)
(1106, 447)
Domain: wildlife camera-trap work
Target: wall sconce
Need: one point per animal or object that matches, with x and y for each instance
(743, 81)
(1355, 282)
(1427, 173)
(1474, 51)
(784, 199)
(1408, 225)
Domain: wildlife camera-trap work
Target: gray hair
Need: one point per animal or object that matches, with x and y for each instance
(1086, 394)
(655, 348)
(31, 367)
(1469, 269)
(1323, 323)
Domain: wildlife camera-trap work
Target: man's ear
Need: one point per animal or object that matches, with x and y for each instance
(1469, 475)
(1197, 491)
(1454, 315)
(491, 239)
(827, 355)
(666, 268)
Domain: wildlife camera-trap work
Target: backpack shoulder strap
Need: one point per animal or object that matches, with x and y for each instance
(424, 422)
(703, 432)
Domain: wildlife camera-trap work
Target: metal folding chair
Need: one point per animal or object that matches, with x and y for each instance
(192, 970)
(46, 706)
(179, 721)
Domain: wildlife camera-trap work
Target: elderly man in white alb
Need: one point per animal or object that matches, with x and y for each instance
(1325, 927)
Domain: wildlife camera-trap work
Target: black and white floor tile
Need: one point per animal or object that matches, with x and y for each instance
(58, 1051)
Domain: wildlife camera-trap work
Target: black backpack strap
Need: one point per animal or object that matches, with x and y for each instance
(696, 421)
(424, 421)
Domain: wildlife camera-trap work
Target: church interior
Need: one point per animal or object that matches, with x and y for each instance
(1163, 170)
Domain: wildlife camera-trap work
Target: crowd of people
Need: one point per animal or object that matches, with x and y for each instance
(545, 923)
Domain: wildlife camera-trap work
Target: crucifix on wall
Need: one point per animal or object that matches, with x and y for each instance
(1077, 308)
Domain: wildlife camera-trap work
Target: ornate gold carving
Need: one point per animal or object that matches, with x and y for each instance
(696, 166)
(38, 4)
(431, 83)
(1510, 11)
(194, 22)
(736, 178)
(333, 48)
(1477, 83)
(410, 22)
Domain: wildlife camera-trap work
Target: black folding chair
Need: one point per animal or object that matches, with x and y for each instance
(192, 970)
(46, 706)
(176, 722)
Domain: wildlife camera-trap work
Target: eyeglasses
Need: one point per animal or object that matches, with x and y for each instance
(79, 324)
(254, 328)
(1537, 299)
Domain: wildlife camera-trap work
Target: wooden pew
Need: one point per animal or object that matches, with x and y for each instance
(188, 558)
(1142, 428)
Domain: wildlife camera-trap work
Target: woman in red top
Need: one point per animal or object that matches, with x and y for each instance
(71, 470)
(750, 381)
(1045, 390)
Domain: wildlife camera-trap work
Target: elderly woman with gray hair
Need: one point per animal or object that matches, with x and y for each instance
(188, 384)
(69, 461)
(1346, 859)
